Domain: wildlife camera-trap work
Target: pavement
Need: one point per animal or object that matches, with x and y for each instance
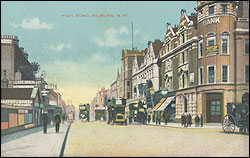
(178, 125)
(36, 144)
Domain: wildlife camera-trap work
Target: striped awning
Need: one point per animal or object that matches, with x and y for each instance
(165, 104)
(159, 104)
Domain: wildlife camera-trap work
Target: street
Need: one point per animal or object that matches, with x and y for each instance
(100, 139)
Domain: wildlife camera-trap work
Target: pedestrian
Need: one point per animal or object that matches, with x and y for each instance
(57, 121)
(149, 118)
(156, 118)
(63, 117)
(187, 119)
(166, 118)
(182, 119)
(197, 120)
(201, 120)
(190, 119)
(159, 117)
(45, 122)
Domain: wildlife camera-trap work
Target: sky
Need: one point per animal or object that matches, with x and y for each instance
(79, 50)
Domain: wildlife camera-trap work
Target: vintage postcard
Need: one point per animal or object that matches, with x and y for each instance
(125, 78)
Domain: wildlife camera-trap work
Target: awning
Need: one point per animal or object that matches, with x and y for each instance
(159, 104)
(165, 104)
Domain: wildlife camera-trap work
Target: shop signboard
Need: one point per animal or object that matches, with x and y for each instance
(17, 102)
(211, 50)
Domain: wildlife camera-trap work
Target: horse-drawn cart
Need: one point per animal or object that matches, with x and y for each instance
(237, 116)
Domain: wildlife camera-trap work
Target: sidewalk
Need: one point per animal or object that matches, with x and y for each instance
(178, 125)
(37, 144)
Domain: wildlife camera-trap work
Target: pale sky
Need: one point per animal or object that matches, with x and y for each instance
(80, 53)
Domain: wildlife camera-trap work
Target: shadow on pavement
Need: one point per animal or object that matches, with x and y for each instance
(235, 132)
(20, 134)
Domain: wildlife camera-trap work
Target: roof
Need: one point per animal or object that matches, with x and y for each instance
(157, 44)
(16, 93)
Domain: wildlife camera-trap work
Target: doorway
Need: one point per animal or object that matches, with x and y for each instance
(214, 107)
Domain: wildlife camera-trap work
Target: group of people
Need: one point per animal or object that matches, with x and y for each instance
(186, 120)
(57, 121)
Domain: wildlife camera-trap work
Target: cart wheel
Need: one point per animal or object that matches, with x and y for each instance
(228, 123)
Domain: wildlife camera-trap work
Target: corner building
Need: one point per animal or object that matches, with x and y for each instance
(223, 67)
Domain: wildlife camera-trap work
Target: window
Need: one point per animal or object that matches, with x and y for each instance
(201, 49)
(211, 10)
(128, 95)
(211, 74)
(225, 73)
(211, 43)
(247, 46)
(168, 47)
(201, 75)
(128, 83)
(224, 46)
(183, 57)
(247, 74)
(224, 8)
(183, 81)
(183, 38)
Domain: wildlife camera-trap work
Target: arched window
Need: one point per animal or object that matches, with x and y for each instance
(245, 99)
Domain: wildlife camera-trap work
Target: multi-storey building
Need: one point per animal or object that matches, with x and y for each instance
(14, 59)
(223, 56)
(145, 75)
(126, 74)
(178, 66)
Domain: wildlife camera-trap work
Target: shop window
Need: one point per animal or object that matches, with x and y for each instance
(225, 73)
(247, 46)
(211, 74)
(211, 10)
(247, 74)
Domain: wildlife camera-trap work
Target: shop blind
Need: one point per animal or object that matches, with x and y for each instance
(12, 119)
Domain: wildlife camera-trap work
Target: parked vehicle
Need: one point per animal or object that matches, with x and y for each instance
(237, 116)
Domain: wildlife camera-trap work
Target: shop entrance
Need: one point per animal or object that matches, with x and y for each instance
(214, 107)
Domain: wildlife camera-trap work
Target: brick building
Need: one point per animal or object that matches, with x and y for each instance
(14, 59)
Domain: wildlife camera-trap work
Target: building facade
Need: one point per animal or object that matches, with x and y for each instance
(178, 63)
(145, 74)
(126, 74)
(14, 59)
(221, 77)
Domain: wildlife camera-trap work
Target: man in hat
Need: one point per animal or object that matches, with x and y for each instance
(57, 121)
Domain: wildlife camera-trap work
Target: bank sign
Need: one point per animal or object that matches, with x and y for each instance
(209, 21)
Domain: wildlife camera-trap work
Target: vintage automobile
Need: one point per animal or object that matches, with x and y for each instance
(116, 111)
(237, 116)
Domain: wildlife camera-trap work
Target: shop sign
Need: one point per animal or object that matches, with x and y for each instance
(51, 86)
(23, 82)
(210, 50)
(17, 102)
(209, 21)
